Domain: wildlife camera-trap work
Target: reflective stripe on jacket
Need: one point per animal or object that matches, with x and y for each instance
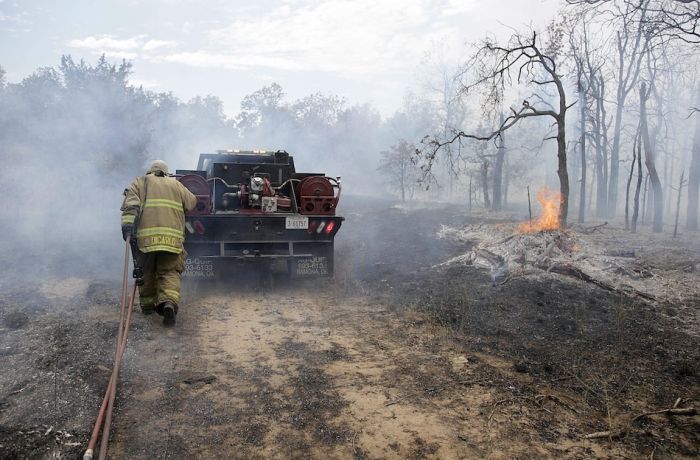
(161, 202)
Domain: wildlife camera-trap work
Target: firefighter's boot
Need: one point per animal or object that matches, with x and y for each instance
(169, 313)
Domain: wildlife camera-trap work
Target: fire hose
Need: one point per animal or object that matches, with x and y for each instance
(105, 413)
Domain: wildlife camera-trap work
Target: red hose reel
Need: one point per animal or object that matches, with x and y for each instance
(200, 189)
(316, 195)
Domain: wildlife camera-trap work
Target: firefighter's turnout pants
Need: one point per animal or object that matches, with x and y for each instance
(162, 272)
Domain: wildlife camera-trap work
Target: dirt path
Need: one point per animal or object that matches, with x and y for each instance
(297, 375)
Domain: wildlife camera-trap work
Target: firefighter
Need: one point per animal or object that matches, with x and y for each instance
(153, 213)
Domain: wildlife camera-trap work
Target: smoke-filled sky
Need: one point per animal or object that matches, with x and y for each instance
(364, 50)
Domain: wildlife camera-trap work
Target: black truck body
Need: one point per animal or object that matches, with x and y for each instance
(249, 209)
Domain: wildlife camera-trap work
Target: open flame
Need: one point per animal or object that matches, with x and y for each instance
(549, 219)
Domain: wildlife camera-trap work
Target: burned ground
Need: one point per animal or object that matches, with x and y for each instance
(398, 358)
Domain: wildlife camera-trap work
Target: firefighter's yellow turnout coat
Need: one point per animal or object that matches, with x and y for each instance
(156, 204)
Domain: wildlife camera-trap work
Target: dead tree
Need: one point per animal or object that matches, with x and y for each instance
(600, 125)
(640, 174)
(484, 172)
(681, 184)
(590, 61)
(649, 161)
(675, 19)
(521, 61)
(632, 45)
(629, 183)
(582, 122)
(588, 65)
(498, 172)
(694, 173)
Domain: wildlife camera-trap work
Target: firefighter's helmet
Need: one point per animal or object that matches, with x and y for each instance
(158, 167)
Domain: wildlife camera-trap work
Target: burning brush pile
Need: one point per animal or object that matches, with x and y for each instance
(526, 249)
(597, 255)
(507, 252)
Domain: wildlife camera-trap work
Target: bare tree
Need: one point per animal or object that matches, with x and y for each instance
(498, 171)
(629, 183)
(582, 89)
(649, 161)
(600, 124)
(398, 165)
(632, 44)
(640, 174)
(675, 19)
(484, 172)
(694, 173)
(589, 55)
(521, 61)
(587, 64)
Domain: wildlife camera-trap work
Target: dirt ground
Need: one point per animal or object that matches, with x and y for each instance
(398, 357)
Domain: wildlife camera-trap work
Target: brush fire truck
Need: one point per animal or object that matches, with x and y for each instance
(252, 206)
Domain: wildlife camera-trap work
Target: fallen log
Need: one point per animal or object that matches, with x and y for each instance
(606, 434)
(589, 230)
(575, 272)
(686, 411)
(628, 253)
(683, 411)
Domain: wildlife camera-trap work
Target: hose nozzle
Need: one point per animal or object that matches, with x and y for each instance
(137, 274)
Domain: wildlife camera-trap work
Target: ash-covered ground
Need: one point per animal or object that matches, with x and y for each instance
(410, 352)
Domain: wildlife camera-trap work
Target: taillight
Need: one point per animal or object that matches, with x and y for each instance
(330, 227)
(320, 227)
(199, 227)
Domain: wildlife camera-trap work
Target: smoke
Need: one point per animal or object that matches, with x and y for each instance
(73, 137)
(71, 140)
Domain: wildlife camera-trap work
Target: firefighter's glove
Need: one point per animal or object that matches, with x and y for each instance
(127, 230)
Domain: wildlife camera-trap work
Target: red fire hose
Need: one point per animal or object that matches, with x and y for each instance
(105, 413)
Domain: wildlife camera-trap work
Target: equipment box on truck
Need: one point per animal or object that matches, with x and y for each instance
(254, 206)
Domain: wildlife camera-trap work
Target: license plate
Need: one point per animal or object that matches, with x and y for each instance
(296, 223)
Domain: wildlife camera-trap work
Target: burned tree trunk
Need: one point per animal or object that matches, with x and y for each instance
(582, 122)
(649, 162)
(600, 138)
(632, 46)
(629, 183)
(506, 182)
(614, 153)
(485, 182)
(640, 174)
(562, 171)
(498, 171)
(694, 173)
(644, 200)
(681, 183)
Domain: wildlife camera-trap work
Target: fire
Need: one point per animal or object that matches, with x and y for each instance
(549, 219)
